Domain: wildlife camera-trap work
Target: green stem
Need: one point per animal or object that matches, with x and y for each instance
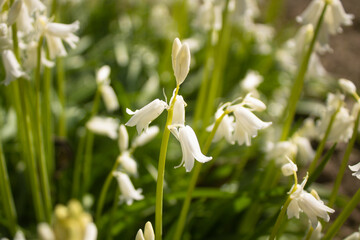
(104, 191)
(321, 146)
(299, 80)
(89, 145)
(161, 170)
(343, 216)
(40, 145)
(310, 232)
(7, 198)
(61, 94)
(344, 163)
(186, 205)
(279, 219)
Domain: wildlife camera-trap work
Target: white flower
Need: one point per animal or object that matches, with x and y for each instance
(19, 235)
(189, 146)
(225, 128)
(5, 43)
(31, 56)
(90, 231)
(144, 116)
(123, 140)
(316, 234)
(356, 170)
(251, 81)
(334, 18)
(304, 149)
(246, 125)
(179, 111)
(148, 233)
(145, 137)
(354, 236)
(289, 168)
(302, 201)
(347, 86)
(12, 67)
(55, 32)
(104, 126)
(35, 5)
(128, 163)
(45, 232)
(254, 104)
(109, 97)
(280, 150)
(102, 75)
(180, 60)
(128, 192)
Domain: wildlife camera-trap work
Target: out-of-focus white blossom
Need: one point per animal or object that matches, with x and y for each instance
(104, 126)
(304, 149)
(110, 98)
(103, 75)
(128, 163)
(189, 146)
(289, 168)
(128, 192)
(254, 104)
(302, 201)
(347, 86)
(353, 236)
(123, 140)
(145, 137)
(12, 67)
(5, 42)
(180, 60)
(31, 56)
(251, 81)
(316, 234)
(225, 128)
(144, 116)
(279, 150)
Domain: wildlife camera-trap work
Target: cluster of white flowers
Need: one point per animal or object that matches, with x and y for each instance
(185, 134)
(244, 125)
(32, 24)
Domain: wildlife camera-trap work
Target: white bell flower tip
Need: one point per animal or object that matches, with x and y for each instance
(146, 136)
(182, 66)
(19, 235)
(179, 111)
(14, 12)
(90, 232)
(103, 74)
(355, 167)
(128, 192)
(110, 98)
(123, 138)
(289, 168)
(347, 86)
(128, 163)
(56, 47)
(175, 49)
(140, 235)
(62, 30)
(35, 5)
(251, 81)
(254, 103)
(45, 232)
(190, 148)
(149, 231)
(293, 210)
(12, 67)
(144, 116)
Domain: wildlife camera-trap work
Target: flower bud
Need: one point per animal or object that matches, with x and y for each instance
(288, 169)
(123, 138)
(109, 97)
(180, 60)
(347, 86)
(149, 231)
(14, 12)
(103, 74)
(179, 111)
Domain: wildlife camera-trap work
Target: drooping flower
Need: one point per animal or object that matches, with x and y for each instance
(104, 126)
(347, 86)
(107, 92)
(251, 81)
(180, 60)
(302, 201)
(179, 111)
(123, 140)
(5, 42)
(148, 233)
(55, 33)
(289, 168)
(145, 136)
(12, 67)
(128, 163)
(144, 116)
(356, 170)
(246, 125)
(189, 146)
(304, 149)
(128, 192)
(225, 128)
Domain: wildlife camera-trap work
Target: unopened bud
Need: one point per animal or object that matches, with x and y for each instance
(180, 60)
(347, 86)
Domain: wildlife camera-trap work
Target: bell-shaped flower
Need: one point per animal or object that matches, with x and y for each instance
(189, 146)
(104, 126)
(128, 192)
(289, 168)
(128, 163)
(109, 97)
(35, 5)
(356, 170)
(280, 150)
(254, 104)
(335, 17)
(179, 111)
(302, 201)
(225, 128)
(55, 33)
(247, 124)
(251, 81)
(123, 139)
(148, 233)
(347, 86)
(180, 60)
(5, 42)
(145, 137)
(12, 67)
(103, 75)
(304, 149)
(143, 117)
(30, 60)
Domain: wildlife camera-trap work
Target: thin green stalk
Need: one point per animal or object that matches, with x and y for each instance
(104, 191)
(40, 144)
(7, 198)
(61, 94)
(89, 145)
(343, 216)
(344, 163)
(161, 170)
(310, 232)
(274, 8)
(321, 146)
(299, 80)
(186, 205)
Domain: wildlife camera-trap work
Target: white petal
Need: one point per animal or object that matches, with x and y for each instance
(123, 140)
(355, 167)
(149, 231)
(62, 30)
(90, 231)
(182, 66)
(139, 235)
(110, 98)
